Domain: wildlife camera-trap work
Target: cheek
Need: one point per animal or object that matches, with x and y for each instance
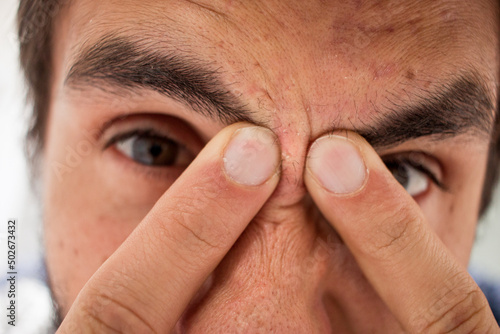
(454, 219)
(90, 207)
(76, 245)
(80, 233)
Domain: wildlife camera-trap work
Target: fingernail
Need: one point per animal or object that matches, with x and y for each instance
(252, 156)
(337, 164)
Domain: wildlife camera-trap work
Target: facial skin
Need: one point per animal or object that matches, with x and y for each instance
(301, 69)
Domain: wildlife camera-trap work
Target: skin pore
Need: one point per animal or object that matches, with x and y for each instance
(185, 70)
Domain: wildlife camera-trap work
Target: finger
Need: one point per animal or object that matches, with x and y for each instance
(404, 260)
(148, 282)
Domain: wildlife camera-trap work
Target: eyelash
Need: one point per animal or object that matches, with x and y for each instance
(160, 177)
(417, 165)
(138, 132)
(396, 159)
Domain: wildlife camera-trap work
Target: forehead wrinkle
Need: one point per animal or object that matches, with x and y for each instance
(161, 22)
(210, 8)
(288, 57)
(270, 12)
(430, 31)
(434, 37)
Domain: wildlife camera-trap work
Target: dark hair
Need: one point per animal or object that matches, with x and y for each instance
(35, 31)
(35, 24)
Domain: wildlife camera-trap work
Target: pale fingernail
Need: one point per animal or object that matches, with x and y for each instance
(252, 156)
(337, 164)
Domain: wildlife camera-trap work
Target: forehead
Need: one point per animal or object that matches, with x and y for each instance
(328, 52)
(339, 28)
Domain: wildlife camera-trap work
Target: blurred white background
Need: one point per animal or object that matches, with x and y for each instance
(17, 199)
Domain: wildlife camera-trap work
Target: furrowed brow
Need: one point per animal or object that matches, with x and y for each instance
(464, 106)
(126, 64)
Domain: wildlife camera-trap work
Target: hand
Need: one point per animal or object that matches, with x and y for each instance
(146, 285)
(410, 268)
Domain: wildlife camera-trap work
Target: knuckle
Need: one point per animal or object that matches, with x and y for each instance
(460, 309)
(199, 233)
(105, 313)
(198, 223)
(398, 232)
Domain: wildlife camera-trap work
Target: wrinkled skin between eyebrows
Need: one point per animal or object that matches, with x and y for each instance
(301, 68)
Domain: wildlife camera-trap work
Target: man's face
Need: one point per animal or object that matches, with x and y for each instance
(150, 82)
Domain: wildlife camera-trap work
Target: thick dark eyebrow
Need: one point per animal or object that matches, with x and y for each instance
(123, 63)
(461, 106)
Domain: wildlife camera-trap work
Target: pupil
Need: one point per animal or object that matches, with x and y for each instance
(155, 151)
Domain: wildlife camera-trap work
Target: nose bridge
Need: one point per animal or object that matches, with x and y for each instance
(293, 135)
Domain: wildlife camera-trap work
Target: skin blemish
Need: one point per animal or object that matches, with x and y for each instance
(410, 74)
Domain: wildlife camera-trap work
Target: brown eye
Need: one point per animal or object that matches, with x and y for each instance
(411, 178)
(153, 150)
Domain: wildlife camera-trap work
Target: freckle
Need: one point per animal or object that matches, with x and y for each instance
(410, 74)
(75, 252)
(452, 208)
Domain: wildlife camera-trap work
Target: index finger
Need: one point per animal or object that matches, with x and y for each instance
(407, 264)
(148, 282)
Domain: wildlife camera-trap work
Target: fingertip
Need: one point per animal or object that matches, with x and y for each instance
(252, 156)
(336, 163)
